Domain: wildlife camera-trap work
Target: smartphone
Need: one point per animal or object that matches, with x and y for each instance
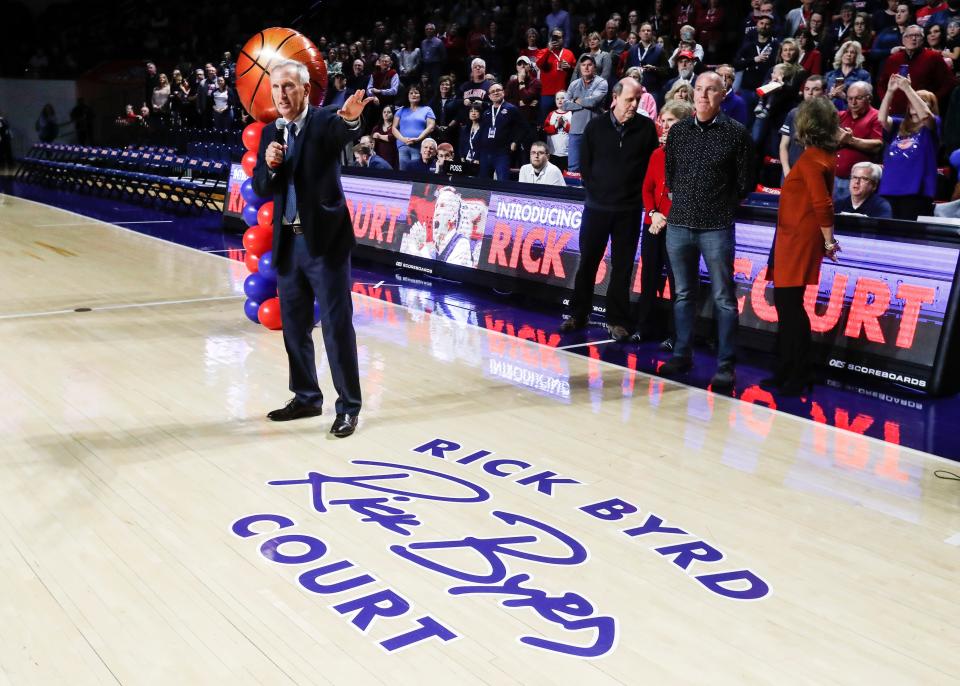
(904, 69)
(838, 81)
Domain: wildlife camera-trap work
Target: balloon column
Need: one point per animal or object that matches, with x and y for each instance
(262, 305)
(253, 88)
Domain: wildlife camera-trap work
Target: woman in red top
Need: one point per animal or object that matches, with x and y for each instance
(656, 202)
(804, 235)
(810, 60)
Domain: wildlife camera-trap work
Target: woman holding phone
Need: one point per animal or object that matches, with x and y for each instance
(847, 69)
(909, 181)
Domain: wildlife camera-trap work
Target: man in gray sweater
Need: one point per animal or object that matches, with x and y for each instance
(585, 97)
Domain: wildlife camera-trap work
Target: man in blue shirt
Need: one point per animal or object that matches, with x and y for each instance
(559, 19)
(733, 105)
(433, 53)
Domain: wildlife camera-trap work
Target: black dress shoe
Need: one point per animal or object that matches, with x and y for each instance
(796, 386)
(675, 366)
(294, 410)
(724, 378)
(344, 425)
(771, 383)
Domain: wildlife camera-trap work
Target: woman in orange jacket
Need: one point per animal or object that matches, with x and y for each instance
(803, 236)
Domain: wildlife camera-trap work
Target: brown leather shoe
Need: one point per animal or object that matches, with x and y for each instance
(618, 333)
(572, 324)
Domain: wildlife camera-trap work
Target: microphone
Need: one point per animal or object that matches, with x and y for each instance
(281, 124)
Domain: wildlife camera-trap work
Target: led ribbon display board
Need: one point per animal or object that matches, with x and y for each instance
(884, 312)
(234, 203)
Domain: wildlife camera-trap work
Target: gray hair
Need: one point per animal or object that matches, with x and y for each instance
(476, 61)
(299, 67)
(861, 84)
(874, 170)
(431, 141)
(843, 48)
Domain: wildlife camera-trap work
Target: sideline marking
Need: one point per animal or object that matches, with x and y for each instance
(582, 345)
(125, 306)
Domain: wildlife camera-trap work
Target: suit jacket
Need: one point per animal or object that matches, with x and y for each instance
(315, 166)
(655, 56)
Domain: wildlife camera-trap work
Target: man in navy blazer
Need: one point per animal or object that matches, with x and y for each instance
(652, 60)
(298, 164)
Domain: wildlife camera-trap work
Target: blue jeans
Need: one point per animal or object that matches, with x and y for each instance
(408, 154)
(684, 247)
(573, 151)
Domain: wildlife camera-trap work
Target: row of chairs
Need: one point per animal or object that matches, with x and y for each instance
(169, 179)
(180, 136)
(224, 152)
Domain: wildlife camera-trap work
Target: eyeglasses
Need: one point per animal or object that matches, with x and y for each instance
(861, 178)
(913, 35)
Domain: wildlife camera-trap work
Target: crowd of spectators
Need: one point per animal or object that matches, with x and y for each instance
(491, 80)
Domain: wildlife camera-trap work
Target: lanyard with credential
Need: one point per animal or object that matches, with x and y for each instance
(494, 111)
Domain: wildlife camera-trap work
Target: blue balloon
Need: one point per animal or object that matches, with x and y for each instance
(258, 288)
(265, 266)
(249, 195)
(955, 159)
(250, 215)
(251, 308)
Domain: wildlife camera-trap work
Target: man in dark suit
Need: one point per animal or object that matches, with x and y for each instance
(299, 166)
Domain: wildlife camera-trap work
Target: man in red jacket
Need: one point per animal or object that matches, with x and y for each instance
(556, 63)
(925, 66)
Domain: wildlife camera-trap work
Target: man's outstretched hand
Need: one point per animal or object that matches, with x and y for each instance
(353, 106)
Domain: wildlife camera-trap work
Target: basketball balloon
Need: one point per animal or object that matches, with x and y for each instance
(256, 59)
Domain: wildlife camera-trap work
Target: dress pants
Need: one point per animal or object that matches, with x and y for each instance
(793, 335)
(622, 229)
(306, 278)
(495, 162)
(653, 259)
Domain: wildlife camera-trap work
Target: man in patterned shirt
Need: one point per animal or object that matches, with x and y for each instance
(709, 169)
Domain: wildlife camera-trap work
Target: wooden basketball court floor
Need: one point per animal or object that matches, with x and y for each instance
(156, 529)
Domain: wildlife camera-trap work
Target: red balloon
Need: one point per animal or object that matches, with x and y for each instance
(258, 240)
(253, 69)
(251, 135)
(265, 215)
(269, 314)
(248, 162)
(252, 260)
